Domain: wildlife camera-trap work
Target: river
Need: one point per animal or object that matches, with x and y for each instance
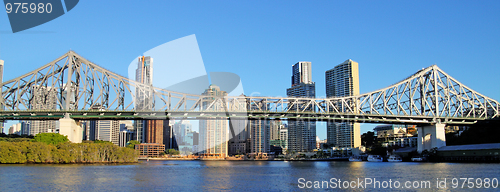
(250, 176)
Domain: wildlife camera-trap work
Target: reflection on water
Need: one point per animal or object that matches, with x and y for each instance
(224, 175)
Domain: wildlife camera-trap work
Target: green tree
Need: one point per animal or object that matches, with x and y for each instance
(172, 152)
(131, 144)
(50, 138)
(101, 141)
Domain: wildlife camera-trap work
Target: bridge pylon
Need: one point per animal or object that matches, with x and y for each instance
(71, 128)
(431, 136)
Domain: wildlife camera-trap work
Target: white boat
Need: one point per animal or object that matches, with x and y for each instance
(355, 158)
(375, 158)
(394, 158)
(417, 159)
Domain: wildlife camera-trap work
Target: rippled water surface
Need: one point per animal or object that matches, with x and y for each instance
(242, 175)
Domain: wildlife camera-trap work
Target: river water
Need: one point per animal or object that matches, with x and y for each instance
(251, 176)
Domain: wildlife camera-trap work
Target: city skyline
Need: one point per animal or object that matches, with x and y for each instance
(253, 95)
(394, 38)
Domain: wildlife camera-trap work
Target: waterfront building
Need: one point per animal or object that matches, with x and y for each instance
(259, 139)
(396, 135)
(342, 81)
(213, 131)
(301, 134)
(391, 131)
(238, 144)
(486, 152)
(149, 149)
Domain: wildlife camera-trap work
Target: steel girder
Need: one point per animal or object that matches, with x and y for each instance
(72, 83)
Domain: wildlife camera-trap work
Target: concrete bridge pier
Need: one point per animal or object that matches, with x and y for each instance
(431, 136)
(71, 128)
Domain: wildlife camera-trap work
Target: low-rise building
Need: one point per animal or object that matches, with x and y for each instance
(150, 149)
(488, 152)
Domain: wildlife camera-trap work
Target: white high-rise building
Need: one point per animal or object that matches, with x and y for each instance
(260, 133)
(301, 133)
(341, 81)
(143, 96)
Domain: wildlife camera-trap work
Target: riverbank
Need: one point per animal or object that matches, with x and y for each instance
(64, 153)
(234, 159)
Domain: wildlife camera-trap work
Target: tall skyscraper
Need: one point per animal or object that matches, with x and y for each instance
(341, 81)
(144, 75)
(259, 139)
(181, 129)
(301, 133)
(25, 127)
(43, 98)
(240, 143)
(214, 131)
(147, 131)
(154, 131)
(301, 73)
(169, 135)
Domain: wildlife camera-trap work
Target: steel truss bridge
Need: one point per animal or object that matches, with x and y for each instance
(73, 86)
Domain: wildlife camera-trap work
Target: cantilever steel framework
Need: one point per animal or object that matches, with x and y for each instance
(79, 86)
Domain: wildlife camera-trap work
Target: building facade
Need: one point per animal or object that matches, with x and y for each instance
(150, 149)
(342, 81)
(239, 144)
(153, 131)
(125, 136)
(107, 130)
(169, 139)
(260, 136)
(214, 131)
(43, 98)
(147, 131)
(301, 133)
(15, 129)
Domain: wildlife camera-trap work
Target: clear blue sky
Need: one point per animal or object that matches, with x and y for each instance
(260, 40)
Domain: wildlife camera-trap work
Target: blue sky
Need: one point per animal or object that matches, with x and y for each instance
(260, 40)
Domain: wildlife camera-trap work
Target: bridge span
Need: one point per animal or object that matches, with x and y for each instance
(75, 88)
